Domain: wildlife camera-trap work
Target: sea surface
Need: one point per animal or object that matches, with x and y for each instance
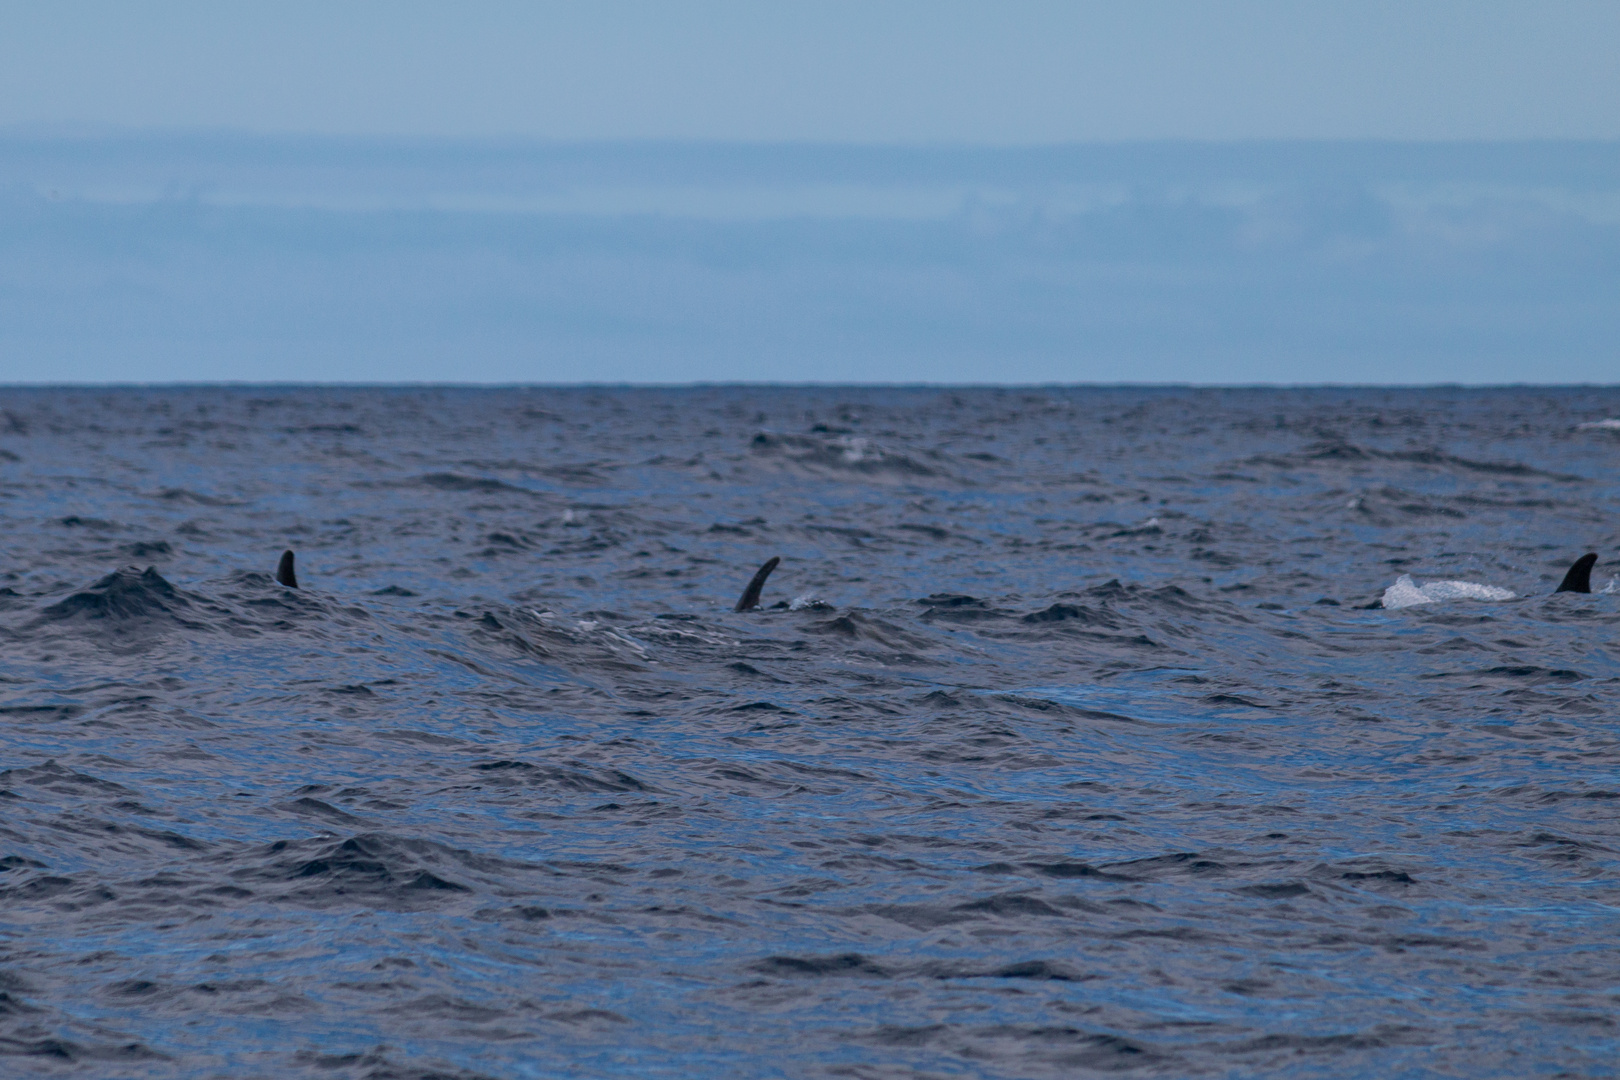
(1072, 739)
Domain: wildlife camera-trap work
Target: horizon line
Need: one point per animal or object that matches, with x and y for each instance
(239, 384)
(85, 132)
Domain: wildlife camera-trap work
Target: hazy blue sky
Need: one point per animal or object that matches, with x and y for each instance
(831, 70)
(1139, 190)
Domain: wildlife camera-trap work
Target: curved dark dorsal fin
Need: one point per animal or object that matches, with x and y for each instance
(1579, 578)
(284, 571)
(750, 596)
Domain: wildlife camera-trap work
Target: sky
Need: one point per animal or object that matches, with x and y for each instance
(1160, 191)
(868, 71)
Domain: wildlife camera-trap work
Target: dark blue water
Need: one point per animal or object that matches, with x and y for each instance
(1080, 744)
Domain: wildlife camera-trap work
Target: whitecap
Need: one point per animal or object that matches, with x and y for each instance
(1408, 593)
(1608, 424)
(856, 449)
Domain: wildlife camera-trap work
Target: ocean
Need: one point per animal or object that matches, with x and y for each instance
(1072, 736)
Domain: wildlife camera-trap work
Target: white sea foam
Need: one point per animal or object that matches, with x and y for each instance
(856, 449)
(1609, 424)
(1408, 593)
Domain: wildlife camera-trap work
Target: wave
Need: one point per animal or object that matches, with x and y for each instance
(1407, 593)
(123, 595)
(847, 454)
(1339, 451)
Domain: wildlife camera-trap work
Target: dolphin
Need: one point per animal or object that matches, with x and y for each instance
(1579, 578)
(750, 596)
(284, 571)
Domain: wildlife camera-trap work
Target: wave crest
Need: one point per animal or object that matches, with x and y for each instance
(1407, 593)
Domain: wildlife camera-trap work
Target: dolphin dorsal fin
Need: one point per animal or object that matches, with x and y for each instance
(1579, 578)
(750, 596)
(285, 574)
